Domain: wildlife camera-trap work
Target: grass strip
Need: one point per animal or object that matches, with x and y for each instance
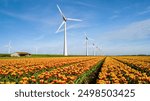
(91, 75)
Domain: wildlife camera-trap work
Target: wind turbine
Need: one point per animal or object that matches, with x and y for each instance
(98, 49)
(86, 42)
(93, 49)
(9, 47)
(65, 28)
(36, 50)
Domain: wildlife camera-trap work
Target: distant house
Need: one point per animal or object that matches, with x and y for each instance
(19, 54)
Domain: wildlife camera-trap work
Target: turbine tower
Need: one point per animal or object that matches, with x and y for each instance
(93, 49)
(86, 42)
(65, 29)
(36, 50)
(97, 49)
(9, 47)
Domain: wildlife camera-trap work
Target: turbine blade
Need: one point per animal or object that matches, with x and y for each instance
(9, 43)
(85, 34)
(91, 39)
(61, 12)
(71, 19)
(60, 26)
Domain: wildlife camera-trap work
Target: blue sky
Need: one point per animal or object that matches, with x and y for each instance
(117, 26)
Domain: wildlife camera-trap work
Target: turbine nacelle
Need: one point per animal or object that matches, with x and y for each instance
(86, 36)
(65, 19)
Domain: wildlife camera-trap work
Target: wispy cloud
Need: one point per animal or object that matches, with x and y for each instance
(144, 12)
(147, 10)
(148, 7)
(28, 17)
(114, 17)
(134, 31)
(85, 4)
(39, 37)
(20, 16)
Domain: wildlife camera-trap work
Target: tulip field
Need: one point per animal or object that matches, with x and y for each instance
(76, 70)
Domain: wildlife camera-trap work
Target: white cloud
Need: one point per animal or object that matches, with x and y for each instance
(114, 17)
(115, 14)
(29, 17)
(147, 10)
(39, 37)
(20, 16)
(85, 4)
(148, 7)
(134, 31)
(144, 12)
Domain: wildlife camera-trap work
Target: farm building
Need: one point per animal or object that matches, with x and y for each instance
(18, 54)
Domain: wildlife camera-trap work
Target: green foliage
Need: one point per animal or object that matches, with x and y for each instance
(90, 75)
(4, 55)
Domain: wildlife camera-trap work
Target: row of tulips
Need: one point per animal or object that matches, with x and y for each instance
(139, 58)
(115, 72)
(141, 65)
(62, 75)
(13, 70)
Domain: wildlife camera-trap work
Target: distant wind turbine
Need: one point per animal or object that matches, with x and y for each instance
(86, 42)
(9, 47)
(65, 28)
(36, 50)
(97, 49)
(93, 49)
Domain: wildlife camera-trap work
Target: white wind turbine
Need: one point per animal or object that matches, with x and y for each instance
(97, 49)
(9, 47)
(36, 50)
(93, 49)
(65, 32)
(86, 42)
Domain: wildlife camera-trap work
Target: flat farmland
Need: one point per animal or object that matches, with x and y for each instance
(76, 70)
